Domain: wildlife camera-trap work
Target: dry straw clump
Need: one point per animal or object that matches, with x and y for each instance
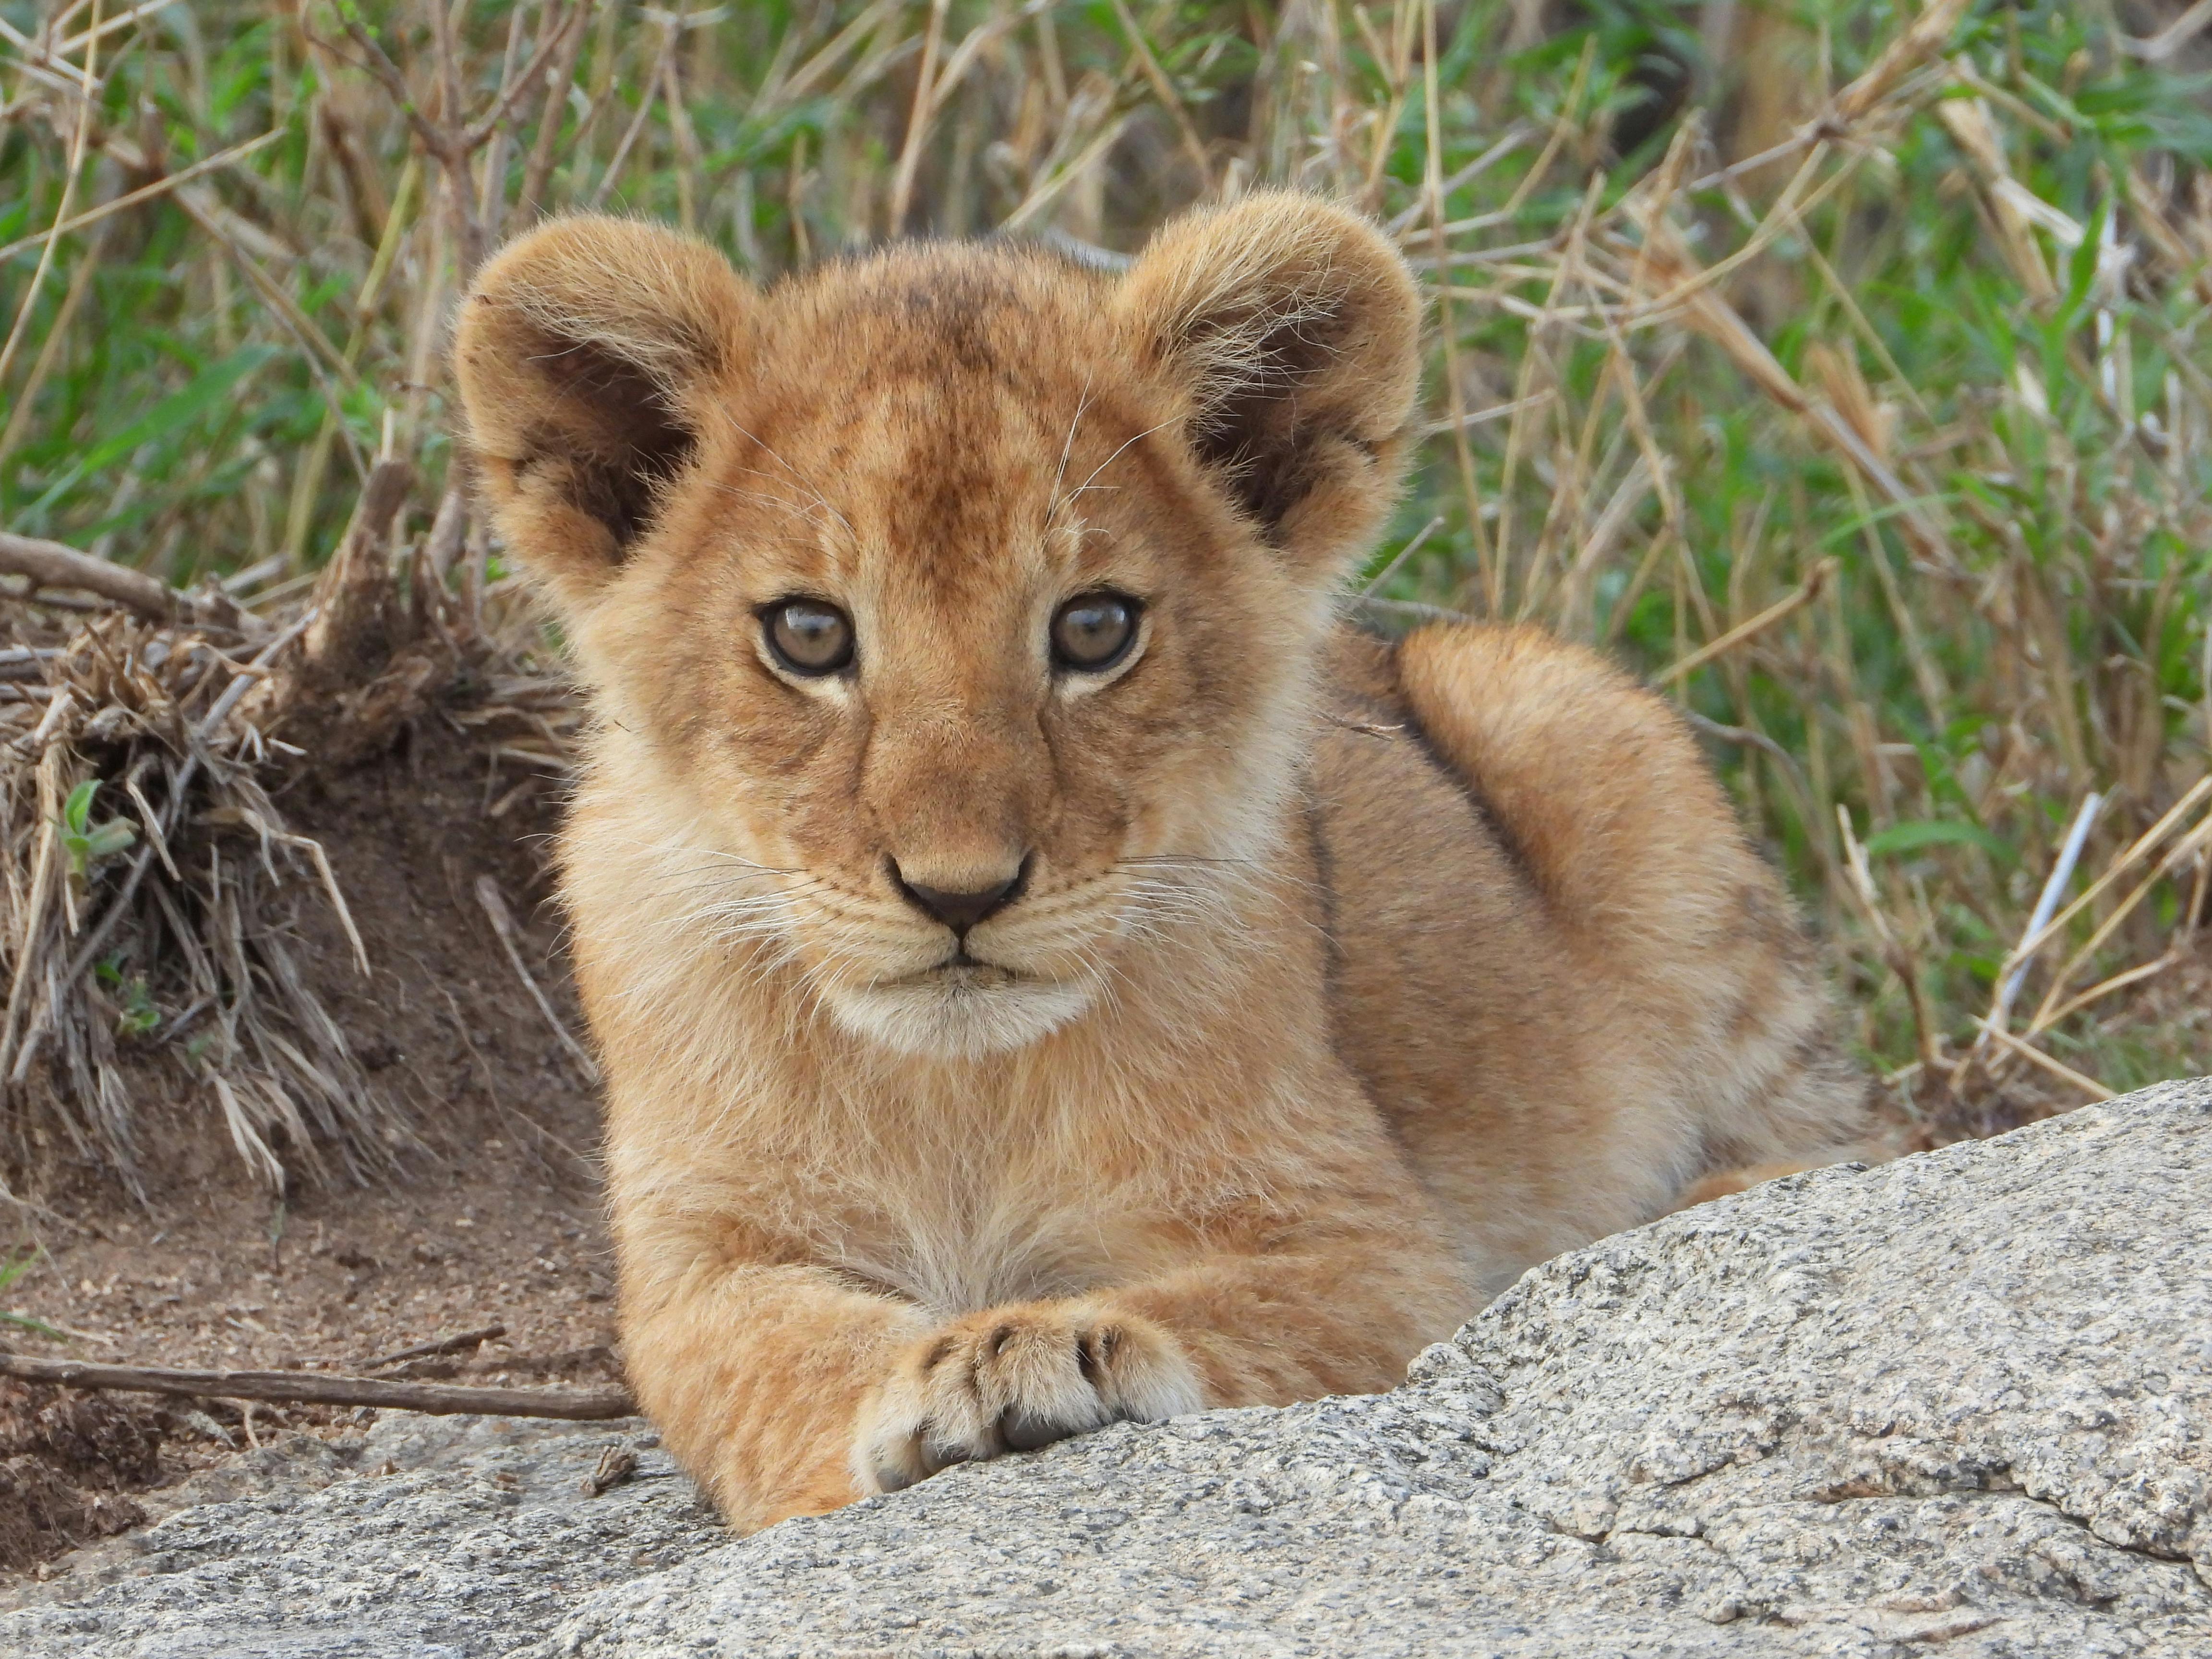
(153, 887)
(122, 733)
(1839, 365)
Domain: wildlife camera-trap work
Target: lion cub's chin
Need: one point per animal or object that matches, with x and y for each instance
(955, 1014)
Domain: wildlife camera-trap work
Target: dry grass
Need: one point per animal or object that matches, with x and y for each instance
(129, 725)
(152, 887)
(1840, 364)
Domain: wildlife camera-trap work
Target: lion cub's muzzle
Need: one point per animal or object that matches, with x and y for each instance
(1029, 972)
(962, 906)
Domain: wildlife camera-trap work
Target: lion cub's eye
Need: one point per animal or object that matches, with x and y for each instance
(809, 637)
(1093, 631)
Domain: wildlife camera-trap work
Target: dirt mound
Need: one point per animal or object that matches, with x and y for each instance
(489, 1215)
(67, 1465)
(491, 1202)
(360, 924)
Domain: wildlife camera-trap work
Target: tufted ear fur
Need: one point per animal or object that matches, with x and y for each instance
(582, 354)
(1294, 329)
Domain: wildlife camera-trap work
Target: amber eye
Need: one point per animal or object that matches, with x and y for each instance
(809, 637)
(1093, 631)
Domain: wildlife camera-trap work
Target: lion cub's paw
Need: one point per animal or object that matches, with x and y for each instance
(1014, 1379)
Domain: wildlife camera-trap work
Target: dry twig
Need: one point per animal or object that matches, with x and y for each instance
(503, 923)
(1806, 593)
(466, 1341)
(310, 1389)
(51, 564)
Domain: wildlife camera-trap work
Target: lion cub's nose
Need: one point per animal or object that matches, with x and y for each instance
(960, 910)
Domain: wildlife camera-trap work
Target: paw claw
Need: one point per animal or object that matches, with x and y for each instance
(1015, 1379)
(1025, 1431)
(936, 1455)
(1095, 1351)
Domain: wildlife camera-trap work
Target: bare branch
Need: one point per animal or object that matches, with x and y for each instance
(540, 165)
(313, 1388)
(533, 72)
(466, 1341)
(435, 138)
(50, 564)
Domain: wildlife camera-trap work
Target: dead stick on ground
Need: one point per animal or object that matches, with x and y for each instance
(503, 923)
(307, 1389)
(50, 564)
(444, 1344)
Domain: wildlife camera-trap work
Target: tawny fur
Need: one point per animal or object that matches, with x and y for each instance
(1345, 979)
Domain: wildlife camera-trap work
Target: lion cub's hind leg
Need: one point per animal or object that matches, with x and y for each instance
(1714, 1010)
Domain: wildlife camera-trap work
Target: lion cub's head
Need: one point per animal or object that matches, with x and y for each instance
(960, 599)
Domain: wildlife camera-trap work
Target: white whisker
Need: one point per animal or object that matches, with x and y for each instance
(1117, 454)
(797, 476)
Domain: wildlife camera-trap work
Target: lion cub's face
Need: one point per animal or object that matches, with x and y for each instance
(935, 627)
(967, 596)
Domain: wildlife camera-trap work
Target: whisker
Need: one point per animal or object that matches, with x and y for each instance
(1182, 858)
(790, 507)
(1068, 446)
(801, 480)
(1117, 454)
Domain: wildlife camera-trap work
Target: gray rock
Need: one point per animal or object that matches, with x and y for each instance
(428, 1538)
(1960, 1403)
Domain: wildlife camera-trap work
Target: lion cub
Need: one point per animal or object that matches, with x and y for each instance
(1047, 969)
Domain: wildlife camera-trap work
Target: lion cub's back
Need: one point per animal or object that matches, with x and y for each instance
(1559, 968)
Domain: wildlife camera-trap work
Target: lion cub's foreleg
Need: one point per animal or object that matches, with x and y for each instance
(753, 1374)
(1226, 1331)
(786, 1391)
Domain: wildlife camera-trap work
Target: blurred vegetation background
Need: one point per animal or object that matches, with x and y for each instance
(1839, 363)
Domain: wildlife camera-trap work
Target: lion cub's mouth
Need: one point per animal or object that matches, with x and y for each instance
(960, 1007)
(960, 969)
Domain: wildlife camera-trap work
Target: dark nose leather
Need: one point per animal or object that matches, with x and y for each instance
(959, 911)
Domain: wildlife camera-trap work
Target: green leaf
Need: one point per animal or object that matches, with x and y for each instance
(111, 838)
(141, 1014)
(85, 842)
(205, 390)
(2082, 265)
(208, 388)
(14, 1268)
(1947, 832)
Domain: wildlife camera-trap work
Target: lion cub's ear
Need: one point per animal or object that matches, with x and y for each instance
(1294, 329)
(585, 352)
